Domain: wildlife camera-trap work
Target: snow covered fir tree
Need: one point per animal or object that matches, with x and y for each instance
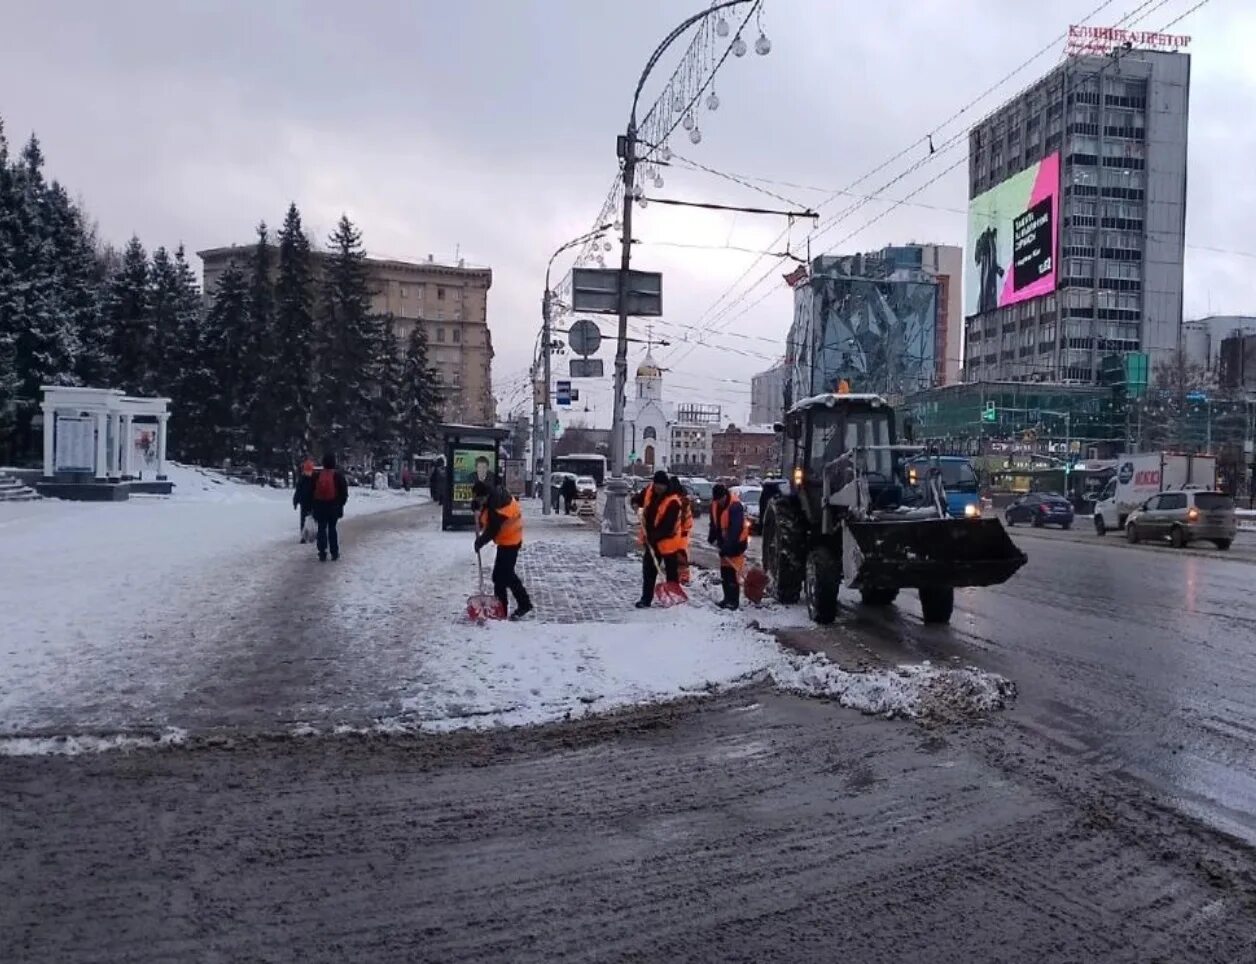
(283, 359)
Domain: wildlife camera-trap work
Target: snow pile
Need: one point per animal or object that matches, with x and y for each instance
(76, 744)
(916, 691)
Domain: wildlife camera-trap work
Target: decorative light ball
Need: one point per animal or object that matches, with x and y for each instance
(641, 201)
(606, 246)
(601, 262)
(721, 27)
(678, 101)
(658, 180)
(695, 136)
(687, 122)
(618, 226)
(762, 46)
(739, 47)
(713, 101)
(666, 153)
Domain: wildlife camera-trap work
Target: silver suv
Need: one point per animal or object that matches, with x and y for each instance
(1190, 515)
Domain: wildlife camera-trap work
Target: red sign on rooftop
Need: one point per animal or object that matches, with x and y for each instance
(1103, 40)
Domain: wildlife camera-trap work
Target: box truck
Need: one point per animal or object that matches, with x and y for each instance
(1139, 477)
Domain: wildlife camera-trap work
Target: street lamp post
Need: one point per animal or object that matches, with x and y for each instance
(547, 327)
(615, 517)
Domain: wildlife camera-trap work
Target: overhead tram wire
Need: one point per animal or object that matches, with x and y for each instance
(1138, 13)
(964, 109)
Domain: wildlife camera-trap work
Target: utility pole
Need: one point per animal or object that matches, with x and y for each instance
(547, 440)
(615, 515)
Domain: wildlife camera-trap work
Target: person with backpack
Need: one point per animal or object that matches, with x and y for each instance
(303, 495)
(500, 520)
(331, 492)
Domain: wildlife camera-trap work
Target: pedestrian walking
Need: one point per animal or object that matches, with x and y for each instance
(303, 495)
(569, 494)
(659, 534)
(406, 478)
(730, 534)
(677, 488)
(331, 492)
(436, 482)
(501, 522)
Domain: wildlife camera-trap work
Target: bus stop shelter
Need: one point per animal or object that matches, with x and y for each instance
(471, 452)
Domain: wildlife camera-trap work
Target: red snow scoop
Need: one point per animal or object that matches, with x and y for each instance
(483, 606)
(755, 584)
(666, 594)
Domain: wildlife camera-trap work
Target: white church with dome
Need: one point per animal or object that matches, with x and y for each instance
(646, 422)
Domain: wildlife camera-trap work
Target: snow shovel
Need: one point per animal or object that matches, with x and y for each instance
(666, 594)
(483, 606)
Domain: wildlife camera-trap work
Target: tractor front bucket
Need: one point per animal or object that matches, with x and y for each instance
(929, 553)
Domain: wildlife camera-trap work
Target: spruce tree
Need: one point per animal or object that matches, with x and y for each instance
(191, 431)
(292, 377)
(261, 352)
(45, 344)
(159, 373)
(389, 382)
(128, 319)
(8, 299)
(225, 336)
(79, 285)
(347, 345)
(420, 399)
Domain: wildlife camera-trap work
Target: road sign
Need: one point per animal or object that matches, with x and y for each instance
(584, 337)
(596, 290)
(990, 414)
(563, 392)
(575, 394)
(632, 457)
(586, 368)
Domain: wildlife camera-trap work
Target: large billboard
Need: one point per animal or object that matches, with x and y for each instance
(1012, 234)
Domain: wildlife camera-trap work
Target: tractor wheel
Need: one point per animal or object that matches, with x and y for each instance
(824, 577)
(937, 603)
(783, 550)
(878, 597)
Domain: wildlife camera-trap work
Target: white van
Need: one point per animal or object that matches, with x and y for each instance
(1139, 477)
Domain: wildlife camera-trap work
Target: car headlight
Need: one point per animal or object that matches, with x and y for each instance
(972, 510)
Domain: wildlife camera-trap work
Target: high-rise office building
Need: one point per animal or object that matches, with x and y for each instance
(1076, 220)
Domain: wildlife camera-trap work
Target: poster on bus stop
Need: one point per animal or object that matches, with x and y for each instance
(469, 464)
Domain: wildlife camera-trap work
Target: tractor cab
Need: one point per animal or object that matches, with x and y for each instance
(833, 439)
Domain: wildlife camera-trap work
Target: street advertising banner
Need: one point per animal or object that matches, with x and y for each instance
(469, 464)
(75, 443)
(1013, 230)
(143, 448)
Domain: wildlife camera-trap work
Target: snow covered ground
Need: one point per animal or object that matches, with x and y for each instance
(135, 624)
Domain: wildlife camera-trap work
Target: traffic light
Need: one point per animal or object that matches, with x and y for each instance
(990, 414)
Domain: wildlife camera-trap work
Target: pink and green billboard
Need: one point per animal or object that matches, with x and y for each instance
(1012, 238)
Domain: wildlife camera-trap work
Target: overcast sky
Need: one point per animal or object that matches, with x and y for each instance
(487, 128)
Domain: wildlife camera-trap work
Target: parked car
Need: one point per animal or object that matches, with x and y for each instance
(749, 496)
(586, 487)
(1040, 509)
(700, 490)
(1193, 515)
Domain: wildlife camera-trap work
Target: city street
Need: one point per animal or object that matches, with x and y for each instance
(330, 794)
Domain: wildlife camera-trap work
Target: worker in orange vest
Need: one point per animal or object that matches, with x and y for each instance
(660, 531)
(686, 528)
(730, 534)
(501, 522)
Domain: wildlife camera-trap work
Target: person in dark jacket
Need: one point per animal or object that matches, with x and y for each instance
(730, 534)
(436, 482)
(500, 520)
(569, 493)
(331, 492)
(406, 478)
(303, 494)
(661, 532)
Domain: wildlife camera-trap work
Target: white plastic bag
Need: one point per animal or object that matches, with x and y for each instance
(308, 529)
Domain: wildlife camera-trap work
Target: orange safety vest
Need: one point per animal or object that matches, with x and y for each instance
(671, 542)
(720, 518)
(510, 535)
(686, 520)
